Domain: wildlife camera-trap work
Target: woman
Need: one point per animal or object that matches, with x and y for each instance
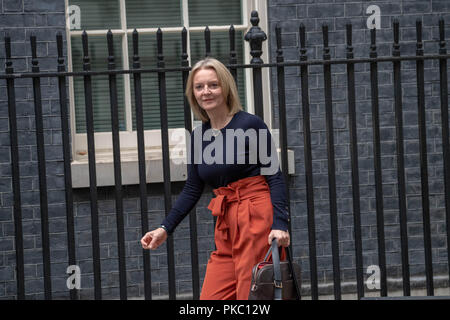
(251, 208)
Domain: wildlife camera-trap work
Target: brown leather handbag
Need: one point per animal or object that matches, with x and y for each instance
(275, 280)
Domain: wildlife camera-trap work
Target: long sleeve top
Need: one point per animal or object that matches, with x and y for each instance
(211, 161)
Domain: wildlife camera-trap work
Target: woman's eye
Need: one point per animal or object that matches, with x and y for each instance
(214, 85)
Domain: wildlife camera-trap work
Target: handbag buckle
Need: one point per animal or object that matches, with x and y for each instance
(278, 284)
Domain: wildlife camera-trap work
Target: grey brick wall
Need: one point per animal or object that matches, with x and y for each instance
(133, 233)
(44, 18)
(19, 19)
(313, 13)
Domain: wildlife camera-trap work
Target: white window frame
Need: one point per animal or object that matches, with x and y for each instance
(128, 140)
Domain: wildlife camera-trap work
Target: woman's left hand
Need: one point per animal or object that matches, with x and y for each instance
(282, 237)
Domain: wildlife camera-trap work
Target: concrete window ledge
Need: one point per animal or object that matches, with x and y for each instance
(130, 169)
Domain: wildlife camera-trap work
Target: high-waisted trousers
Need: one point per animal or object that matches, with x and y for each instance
(244, 214)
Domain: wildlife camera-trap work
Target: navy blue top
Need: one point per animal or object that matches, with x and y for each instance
(210, 165)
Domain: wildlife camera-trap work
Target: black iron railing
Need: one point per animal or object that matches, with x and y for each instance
(255, 36)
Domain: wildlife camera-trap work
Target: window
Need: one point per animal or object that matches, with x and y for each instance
(122, 16)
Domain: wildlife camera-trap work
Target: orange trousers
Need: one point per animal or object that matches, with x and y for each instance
(244, 219)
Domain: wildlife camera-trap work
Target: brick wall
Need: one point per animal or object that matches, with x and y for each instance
(336, 13)
(19, 19)
(133, 234)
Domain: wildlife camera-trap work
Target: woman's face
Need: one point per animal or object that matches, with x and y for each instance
(207, 90)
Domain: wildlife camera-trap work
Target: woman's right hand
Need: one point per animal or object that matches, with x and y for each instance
(153, 239)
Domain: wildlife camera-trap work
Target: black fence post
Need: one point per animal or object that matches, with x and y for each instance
(74, 294)
(377, 163)
(15, 173)
(92, 168)
(207, 36)
(166, 160)
(423, 160)
(354, 162)
(331, 164)
(185, 75)
(193, 213)
(255, 36)
(141, 161)
(282, 117)
(400, 160)
(308, 163)
(233, 59)
(117, 167)
(42, 171)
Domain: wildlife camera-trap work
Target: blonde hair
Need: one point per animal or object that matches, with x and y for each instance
(226, 82)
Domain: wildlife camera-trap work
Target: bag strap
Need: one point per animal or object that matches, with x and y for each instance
(277, 270)
(266, 258)
(277, 294)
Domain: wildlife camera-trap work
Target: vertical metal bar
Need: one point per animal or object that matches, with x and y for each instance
(207, 37)
(331, 165)
(42, 172)
(207, 42)
(166, 160)
(192, 215)
(255, 36)
(233, 59)
(400, 161)
(18, 233)
(283, 126)
(308, 165)
(185, 75)
(445, 130)
(354, 161)
(282, 121)
(141, 161)
(92, 169)
(66, 156)
(377, 164)
(423, 161)
(117, 168)
(257, 92)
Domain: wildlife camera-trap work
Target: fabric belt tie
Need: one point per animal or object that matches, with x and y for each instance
(244, 189)
(218, 208)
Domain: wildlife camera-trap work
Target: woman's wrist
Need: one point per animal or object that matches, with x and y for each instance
(165, 228)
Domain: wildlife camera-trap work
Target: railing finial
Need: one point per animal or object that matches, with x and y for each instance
(255, 36)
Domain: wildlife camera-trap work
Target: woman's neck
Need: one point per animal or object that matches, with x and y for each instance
(219, 118)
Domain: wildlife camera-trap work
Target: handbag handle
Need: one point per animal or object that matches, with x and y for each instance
(277, 270)
(277, 281)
